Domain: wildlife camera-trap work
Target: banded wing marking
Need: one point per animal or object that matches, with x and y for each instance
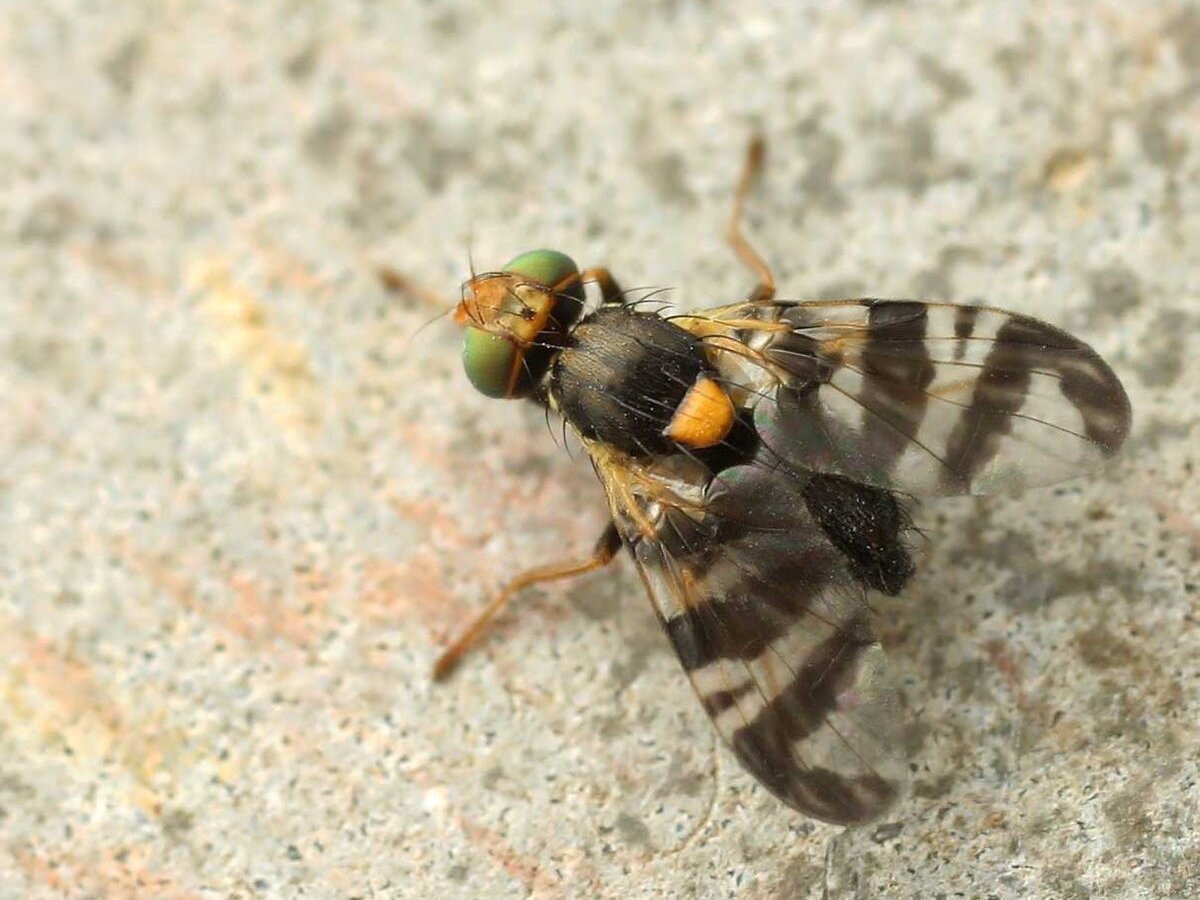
(921, 398)
(774, 633)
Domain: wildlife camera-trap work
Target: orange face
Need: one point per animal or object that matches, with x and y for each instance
(507, 306)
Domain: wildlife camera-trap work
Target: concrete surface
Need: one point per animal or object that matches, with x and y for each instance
(244, 499)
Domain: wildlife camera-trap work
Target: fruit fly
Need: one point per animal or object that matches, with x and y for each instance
(757, 459)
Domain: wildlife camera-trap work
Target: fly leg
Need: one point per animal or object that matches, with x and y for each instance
(751, 169)
(610, 291)
(398, 283)
(606, 549)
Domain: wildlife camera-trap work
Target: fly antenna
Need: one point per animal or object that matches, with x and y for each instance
(413, 336)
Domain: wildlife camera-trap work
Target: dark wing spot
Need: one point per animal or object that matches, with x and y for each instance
(867, 524)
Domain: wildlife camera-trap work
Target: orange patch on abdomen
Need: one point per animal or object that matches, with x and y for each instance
(704, 417)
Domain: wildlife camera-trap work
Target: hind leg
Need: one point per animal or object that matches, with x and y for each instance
(606, 548)
(751, 170)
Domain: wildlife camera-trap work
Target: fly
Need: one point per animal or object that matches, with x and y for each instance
(755, 458)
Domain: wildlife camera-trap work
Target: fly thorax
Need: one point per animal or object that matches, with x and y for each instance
(625, 376)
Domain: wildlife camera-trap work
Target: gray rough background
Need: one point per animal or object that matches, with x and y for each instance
(241, 505)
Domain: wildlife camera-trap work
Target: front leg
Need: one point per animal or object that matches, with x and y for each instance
(603, 279)
(610, 291)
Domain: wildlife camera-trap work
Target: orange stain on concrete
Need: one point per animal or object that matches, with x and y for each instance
(277, 372)
(534, 877)
(40, 869)
(126, 873)
(392, 592)
(1174, 518)
(56, 694)
(52, 696)
(128, 272)
(255, 617)
(431, 447)
(1010, 672)
(115, 874)
(286, 268)
(431, 516)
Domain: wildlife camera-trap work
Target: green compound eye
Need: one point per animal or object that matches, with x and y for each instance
(488, 361)
(547, 266)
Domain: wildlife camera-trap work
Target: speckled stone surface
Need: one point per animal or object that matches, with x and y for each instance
(245, 497)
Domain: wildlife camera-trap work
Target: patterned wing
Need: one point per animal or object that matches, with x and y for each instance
(921, 398)
(770, 624)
